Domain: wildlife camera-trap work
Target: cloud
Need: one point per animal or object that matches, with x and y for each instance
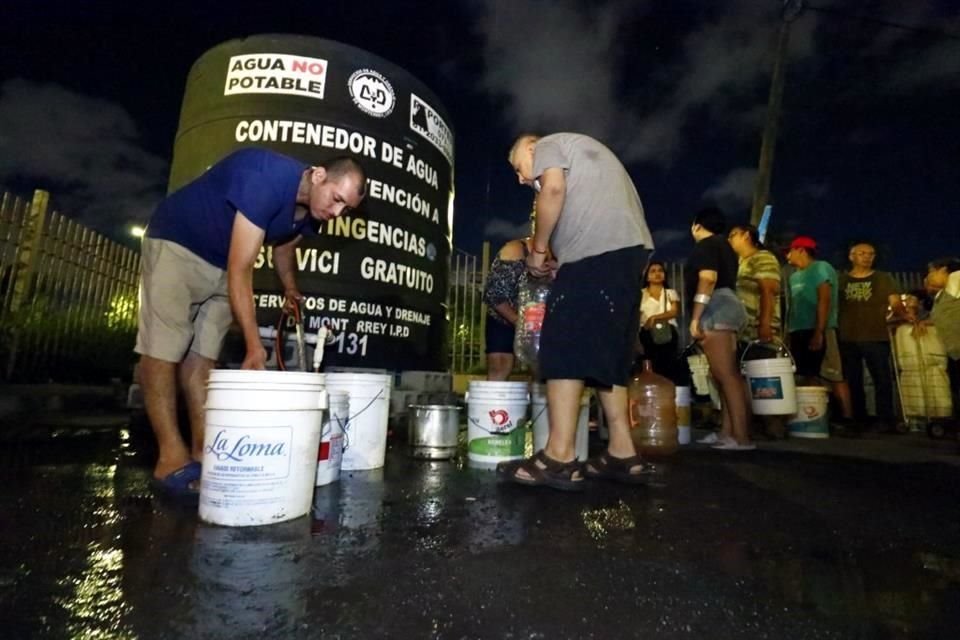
(553, 62)
(506, 230)
(557, 66)
(916, 13)
(814, 190)
(937, 65)
(663, 239)
(85, 151)
(734, 191)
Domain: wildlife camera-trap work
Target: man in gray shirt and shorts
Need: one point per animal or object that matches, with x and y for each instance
(590, 216)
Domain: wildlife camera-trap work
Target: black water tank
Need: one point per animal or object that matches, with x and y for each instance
(378, 277)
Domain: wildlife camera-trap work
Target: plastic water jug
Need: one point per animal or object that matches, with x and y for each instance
(531, 310)
(653, 413)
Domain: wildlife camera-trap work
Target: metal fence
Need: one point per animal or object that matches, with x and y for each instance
(468, 314)
(68, 297)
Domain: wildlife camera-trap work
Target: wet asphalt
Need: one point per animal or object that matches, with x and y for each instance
(771, 544)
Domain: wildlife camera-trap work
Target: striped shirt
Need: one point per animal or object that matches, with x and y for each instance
(761, 265)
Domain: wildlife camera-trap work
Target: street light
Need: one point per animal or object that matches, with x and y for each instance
(137, 231)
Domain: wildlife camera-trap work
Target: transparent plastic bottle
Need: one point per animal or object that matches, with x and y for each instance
(531, 309)
(653, 413)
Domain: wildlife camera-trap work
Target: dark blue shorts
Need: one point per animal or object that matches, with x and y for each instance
(592, 318)
(499, 336)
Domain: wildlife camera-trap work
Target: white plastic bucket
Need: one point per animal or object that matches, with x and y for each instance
(330, 454)
(683, 401)
(770, 381)
(541, 421)
(260, 446)
(365, 440)
(700, 373)
(496, 411)
(703, 382)
(811, 419)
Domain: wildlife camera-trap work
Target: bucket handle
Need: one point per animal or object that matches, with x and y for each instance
(466, 397)
(346, 425)
(781, 348)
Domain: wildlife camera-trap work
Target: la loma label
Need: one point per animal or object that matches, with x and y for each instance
(224, 448)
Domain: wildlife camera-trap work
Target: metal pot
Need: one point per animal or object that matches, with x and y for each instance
(433, 430)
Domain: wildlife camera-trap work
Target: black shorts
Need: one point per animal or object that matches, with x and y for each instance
(592, 319)
(499, 336)
(808, 361)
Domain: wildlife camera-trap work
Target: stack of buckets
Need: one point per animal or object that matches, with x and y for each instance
(269, 441)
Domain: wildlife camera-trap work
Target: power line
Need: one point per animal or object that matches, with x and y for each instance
(886, 23)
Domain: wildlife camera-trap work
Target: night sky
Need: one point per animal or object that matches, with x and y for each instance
(90, 96)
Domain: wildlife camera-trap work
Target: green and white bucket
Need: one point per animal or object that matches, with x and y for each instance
(811, 419)
(495, 422)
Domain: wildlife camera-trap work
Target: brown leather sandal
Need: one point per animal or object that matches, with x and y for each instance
(543, 471)
(604, 466)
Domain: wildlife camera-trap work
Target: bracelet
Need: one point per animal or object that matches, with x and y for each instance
(702, 298)
(535, 250)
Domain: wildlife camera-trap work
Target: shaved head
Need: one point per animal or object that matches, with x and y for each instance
(521, 140)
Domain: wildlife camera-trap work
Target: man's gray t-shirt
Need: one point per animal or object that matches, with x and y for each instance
(602, 210)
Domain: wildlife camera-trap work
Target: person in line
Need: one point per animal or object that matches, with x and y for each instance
(943, 278)
(758, 287)
(864, 296)
(588, 212)
(500, 294)
(715, 318)
(659, 308)
(812, 322)
(198, 257)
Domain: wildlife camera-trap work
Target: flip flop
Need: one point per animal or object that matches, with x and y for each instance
(176, 484)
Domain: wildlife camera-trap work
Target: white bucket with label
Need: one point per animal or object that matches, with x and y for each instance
(770, 380)
(811, 419)
(496, 413)
(541, 421)
(330, 455)
(703, 382)
(260, 446)
(683, 400)
(365, 440)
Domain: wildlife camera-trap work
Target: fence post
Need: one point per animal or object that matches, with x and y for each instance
(484, 271)
(26, 263)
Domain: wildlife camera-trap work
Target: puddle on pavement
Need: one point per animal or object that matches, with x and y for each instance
(113, 553)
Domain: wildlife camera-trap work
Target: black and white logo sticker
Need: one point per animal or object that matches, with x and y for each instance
(425, 121)
(372, 93)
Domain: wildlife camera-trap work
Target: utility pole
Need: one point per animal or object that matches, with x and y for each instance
(789, 12)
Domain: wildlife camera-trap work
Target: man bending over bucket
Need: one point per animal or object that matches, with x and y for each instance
(589, 213)
(197, 268)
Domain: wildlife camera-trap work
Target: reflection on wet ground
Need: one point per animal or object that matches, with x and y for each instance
(771, 544)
